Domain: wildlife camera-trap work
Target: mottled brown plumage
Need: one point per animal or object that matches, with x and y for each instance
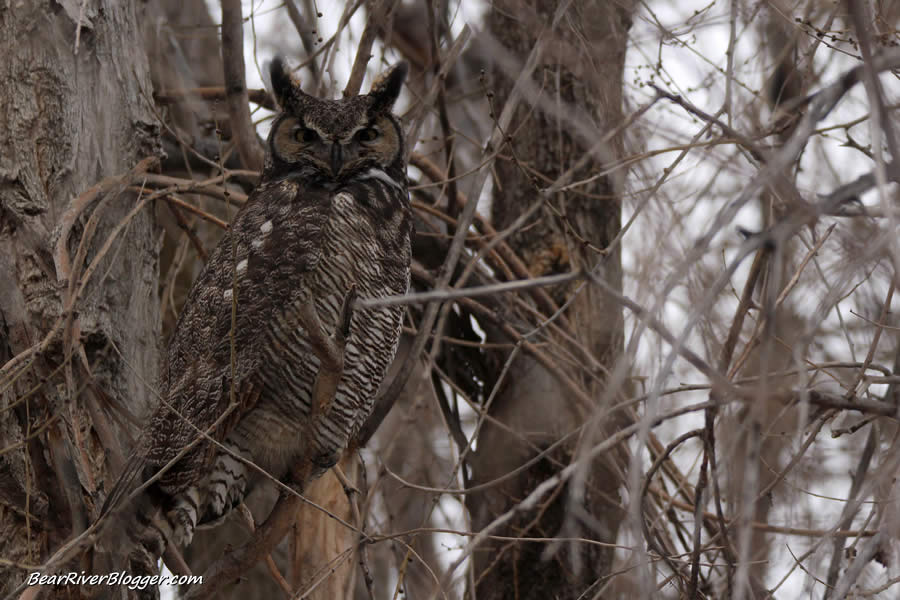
(331, 213)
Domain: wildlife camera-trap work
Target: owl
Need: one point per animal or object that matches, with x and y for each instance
(329, 219)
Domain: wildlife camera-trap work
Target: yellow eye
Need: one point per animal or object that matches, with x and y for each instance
(306, 135)
(369, 134)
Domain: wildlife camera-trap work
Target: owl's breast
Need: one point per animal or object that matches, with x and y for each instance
(366, 244)
(350, 254)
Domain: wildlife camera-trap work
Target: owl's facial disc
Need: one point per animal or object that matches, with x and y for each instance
(337, 150)
(336, 139)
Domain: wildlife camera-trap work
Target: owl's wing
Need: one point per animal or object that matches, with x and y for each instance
(264, 258)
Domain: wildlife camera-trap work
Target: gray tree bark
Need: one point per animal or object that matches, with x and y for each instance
(78, 321)
(581, 67)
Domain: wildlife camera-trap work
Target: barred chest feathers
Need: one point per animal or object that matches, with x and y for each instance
(331, 212)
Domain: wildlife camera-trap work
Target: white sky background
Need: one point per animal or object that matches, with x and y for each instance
(694, 64)
(693, 61)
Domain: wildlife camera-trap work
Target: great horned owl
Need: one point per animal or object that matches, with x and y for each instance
(330, 214)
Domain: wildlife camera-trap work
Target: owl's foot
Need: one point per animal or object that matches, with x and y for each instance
(182, 518)
(227, 486)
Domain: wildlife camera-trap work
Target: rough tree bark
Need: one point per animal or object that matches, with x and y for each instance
(582, 69)
(73, 111)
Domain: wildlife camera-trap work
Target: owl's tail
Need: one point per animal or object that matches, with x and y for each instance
(125, 484)
(127, 539)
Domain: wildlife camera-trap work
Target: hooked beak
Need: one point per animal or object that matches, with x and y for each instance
(337, 159)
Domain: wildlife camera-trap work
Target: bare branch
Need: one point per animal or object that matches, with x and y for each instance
(236, 86)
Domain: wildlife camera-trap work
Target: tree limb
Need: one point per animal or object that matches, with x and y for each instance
(235, 85)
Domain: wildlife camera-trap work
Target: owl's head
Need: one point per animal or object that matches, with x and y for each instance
(335, 140)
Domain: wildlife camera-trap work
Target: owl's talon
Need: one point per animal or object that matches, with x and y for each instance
(181, 522)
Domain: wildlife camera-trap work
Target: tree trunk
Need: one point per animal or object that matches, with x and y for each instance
(78, 343)
(581, 70)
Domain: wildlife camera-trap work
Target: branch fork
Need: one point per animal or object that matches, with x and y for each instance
(328, 349)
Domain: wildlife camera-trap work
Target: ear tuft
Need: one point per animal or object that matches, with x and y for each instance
(283, 85)
(386, 88)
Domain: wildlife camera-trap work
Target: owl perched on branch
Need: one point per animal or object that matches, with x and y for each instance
(330, 219)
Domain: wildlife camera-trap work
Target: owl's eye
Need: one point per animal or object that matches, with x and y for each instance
(367, 135)
(306, 135)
